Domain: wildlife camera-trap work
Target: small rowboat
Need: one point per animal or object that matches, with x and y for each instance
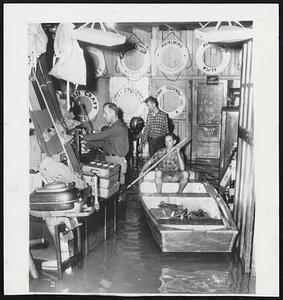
(198, 220)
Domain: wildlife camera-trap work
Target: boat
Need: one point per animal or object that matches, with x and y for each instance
(197, 220)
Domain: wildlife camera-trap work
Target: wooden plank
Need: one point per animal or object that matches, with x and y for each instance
(244, 195)
(56, 117)
(152, 50)
(237, 181)
(246, 135)
(33, 100)
(195, 241)
(183, 195)
(189, 42)
(249, 213)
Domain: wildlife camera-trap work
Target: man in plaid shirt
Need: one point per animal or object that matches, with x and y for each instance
(156, 127)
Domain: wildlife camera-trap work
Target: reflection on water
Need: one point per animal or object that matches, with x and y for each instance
(131, 262)
(210, 281)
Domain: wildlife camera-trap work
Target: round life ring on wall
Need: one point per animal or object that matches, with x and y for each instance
(212, 70)
(179, 62)
(131, 102)
(181, 99)
(98, 56)
(144, 58)
(87, 100)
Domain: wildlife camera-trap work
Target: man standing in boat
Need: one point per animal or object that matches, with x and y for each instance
(156, 127)
(170, 169)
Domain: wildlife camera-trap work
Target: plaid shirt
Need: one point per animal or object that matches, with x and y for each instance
(169, 164)
(156, 126)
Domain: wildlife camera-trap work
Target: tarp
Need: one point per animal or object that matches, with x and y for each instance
(69, 59)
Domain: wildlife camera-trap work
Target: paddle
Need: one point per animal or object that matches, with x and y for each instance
(161, 159)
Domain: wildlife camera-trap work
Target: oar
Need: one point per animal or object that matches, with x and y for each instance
(154, 165)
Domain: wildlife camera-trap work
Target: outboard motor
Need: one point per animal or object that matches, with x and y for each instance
(136, 125)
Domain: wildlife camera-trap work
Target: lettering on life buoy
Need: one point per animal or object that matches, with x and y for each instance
(138, 73)
(181, 99)
(137, 99)
(89, 100)
(183, 56)
(212, 70)
(101, 61)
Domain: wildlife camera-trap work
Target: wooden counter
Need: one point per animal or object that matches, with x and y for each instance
(97, 225)
(101, 224)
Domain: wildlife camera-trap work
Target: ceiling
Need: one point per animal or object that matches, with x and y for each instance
(147, 26)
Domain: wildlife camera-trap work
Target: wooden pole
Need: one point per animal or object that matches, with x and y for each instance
(32, 268)
(160, 160)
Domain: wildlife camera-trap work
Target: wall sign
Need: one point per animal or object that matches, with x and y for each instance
(176, 47)
(100, 58)
(211, 131)
(207, 69)
(181, 99)
(212, 80)
(88, 100)
(131, 101)
(135, 74)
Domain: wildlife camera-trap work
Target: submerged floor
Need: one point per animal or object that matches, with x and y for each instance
(131, 262)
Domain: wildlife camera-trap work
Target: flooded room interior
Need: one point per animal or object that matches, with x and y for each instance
(142, 154)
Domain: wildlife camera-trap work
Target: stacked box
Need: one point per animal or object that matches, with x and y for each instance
(108, 177)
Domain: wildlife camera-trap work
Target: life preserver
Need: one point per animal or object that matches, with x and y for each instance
(136, 96)
(181, 96)
(101, 61)
(183, 56)
(138, 73)
(212, 70)
(89, 100)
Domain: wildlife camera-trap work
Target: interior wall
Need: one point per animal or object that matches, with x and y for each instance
(187, 81)
(190, 76)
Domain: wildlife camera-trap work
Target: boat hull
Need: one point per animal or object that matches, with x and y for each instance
(193, 241)
(217, 236)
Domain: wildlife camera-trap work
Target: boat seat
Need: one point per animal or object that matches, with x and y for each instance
(151, 175)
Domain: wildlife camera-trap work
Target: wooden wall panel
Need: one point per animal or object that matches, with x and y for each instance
(196, 44)
(189, 68)
(103, 95)
(207, 102)
(244, 206)
(207, 150)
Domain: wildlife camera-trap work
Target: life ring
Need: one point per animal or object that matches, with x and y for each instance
(136, 98)
(183, 56)
(212, 70)
(181, 96)
(101, 60)
(145, 58)
(88, 100)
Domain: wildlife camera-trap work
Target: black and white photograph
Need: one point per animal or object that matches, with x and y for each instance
(141, 152)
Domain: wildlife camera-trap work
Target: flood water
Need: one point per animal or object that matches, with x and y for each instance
(131, 262)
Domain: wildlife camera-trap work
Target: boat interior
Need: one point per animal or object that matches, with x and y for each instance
(198, 209)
